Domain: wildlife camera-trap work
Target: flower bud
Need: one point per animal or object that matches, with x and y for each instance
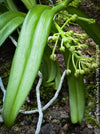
(53, 57)
(67, 40)
(68, 72)
(67, 45)
(82, 72)
(85, 36)
(72, 48)
(76, 75)
(74, 17)
(91, 21)
(76, 40)
(77, 72)
(71, 33)
(84, 46)
(54, 38)
(62, 49)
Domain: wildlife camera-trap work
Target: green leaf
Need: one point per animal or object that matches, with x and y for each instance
(27, 59)
(50, 70)
(58, 77)
(93, 30)
(48, 67)
(9, 22)
(29, 3)
(11, 5)
(76, 92)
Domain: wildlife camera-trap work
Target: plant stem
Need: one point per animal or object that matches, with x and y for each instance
(83, 18)
(29, 3)
(61, 6)
(54, 49)
(68, 20)
(69, 57)
(73, 61)
(58, 28)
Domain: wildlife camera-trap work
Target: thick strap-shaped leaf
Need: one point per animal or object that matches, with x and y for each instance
(29, 3)
(50, 70)
(58, 77)
(27, 59)
(51, 65)
(11, 5)
(8, 16)
(9, 28)
(9, 21)
(93, 30)
(76, 97)
(76, 93)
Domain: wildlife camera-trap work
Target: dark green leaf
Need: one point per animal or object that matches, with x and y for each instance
(9, 22)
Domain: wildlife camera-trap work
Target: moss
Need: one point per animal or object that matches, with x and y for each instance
(90, 109)
(90, 119)
(46, 93)
(4, 72)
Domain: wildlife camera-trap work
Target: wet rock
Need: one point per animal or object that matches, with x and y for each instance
(46, 129)
(55, 129)
(88, 131)
(64, 115)
(55, 114)
(55, 121)
(27, 121)
(65, 127)
(35, 120)
(61, 131)
(31, 131)
(16, 129)
(97, 131)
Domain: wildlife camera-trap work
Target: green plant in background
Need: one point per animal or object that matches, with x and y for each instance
(74, 3)
(32, 51)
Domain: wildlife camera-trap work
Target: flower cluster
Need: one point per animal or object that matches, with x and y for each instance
(75, 44)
